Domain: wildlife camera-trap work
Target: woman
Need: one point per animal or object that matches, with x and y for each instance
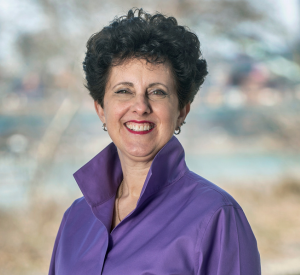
(143, 211)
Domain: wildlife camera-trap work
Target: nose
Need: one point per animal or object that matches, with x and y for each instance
(141, 105)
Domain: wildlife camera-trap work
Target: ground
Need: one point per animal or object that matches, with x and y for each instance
(27, 235)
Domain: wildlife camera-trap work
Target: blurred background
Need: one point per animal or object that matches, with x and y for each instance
(243, 132)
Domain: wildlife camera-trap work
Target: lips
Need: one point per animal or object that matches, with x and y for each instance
(139, 127)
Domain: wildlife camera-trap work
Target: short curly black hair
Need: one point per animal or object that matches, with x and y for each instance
(154, 38)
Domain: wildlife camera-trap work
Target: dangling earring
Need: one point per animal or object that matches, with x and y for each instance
(104, 127)
(178, 129)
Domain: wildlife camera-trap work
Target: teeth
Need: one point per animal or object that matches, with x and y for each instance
(139, 126)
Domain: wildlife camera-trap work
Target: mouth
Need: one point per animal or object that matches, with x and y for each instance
(139, 127)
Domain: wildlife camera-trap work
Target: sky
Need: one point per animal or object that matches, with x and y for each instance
(289, 12)
(17, 16)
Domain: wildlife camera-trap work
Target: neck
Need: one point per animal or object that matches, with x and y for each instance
(134, 176)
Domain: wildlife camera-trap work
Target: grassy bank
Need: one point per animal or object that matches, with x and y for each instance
(27, 235)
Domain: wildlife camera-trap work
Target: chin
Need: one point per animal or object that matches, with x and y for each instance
(140, 151)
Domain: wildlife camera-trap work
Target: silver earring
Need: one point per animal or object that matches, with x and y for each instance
(104, 127)
(178, 131)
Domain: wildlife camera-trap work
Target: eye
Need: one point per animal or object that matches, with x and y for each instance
(158, 92)
(122, 92)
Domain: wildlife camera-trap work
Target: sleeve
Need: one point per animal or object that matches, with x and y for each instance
(52, 263)
(228, 245)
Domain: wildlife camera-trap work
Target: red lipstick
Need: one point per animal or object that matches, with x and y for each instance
(140, 121)
(140, 132)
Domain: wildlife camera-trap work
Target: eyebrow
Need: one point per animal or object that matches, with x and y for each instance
(157, 83)
(130, 84)
(123, 83)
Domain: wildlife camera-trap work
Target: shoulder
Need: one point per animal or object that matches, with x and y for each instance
(220, 210)
(207, 193)
(78, 208)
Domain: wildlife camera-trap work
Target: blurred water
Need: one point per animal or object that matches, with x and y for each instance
(16, 173)
(243, 168)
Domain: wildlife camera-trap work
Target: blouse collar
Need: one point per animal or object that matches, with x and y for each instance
(100, 178)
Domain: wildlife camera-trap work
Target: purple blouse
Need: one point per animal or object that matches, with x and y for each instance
(182, 224)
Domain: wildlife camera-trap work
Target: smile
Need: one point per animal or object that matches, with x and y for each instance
(139, 127)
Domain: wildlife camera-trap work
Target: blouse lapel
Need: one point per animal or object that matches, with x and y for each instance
(100, 178)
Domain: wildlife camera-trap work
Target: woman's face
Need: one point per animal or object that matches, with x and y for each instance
(141, 108)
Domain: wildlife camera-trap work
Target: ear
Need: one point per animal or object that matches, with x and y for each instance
(99, 111)
(183, 113)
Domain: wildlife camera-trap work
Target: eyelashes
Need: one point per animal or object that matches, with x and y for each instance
(159, 92)
(121, 91)
(152, 93)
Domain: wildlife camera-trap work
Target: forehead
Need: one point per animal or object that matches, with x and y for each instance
(141, 72)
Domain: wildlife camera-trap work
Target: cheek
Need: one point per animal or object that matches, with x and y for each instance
(114, 112)
(168, 116)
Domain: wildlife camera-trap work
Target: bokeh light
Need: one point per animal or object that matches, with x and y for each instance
(243, 132)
